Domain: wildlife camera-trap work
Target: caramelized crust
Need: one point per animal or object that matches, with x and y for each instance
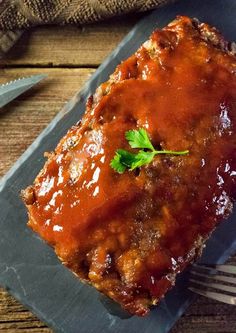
(130, 234)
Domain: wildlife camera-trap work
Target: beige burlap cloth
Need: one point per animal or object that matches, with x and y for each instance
(17, 15)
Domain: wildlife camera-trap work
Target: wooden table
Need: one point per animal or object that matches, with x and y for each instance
(69, 55)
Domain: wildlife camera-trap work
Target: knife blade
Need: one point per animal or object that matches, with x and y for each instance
(13, 89)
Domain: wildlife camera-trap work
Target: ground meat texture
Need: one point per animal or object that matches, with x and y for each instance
(129, 235)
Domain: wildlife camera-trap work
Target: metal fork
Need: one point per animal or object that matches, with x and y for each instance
(214, 281)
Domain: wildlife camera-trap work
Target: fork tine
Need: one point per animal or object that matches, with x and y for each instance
(223, 278)
(221, 268)
(218, 286)
(213, 295)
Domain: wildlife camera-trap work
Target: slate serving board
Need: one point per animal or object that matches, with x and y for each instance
(29, 268)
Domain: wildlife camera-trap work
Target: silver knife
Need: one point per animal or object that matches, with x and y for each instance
(11, 90)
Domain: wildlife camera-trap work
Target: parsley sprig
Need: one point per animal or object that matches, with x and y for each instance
(124, 159)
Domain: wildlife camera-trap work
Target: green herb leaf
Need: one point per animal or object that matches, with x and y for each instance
(142, 158)
(139, 139)
(117, 165)
(124, 159)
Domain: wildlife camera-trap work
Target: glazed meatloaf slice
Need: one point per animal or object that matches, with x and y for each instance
(129, 234)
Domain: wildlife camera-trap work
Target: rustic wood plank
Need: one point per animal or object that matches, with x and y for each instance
(23, 119)
(69, 46)
(14, 317)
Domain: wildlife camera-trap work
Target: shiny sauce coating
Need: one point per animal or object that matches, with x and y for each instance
(130, 234)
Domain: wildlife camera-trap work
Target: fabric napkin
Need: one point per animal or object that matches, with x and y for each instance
(18, 15)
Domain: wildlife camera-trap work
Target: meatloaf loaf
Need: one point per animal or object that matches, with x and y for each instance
(129, 234)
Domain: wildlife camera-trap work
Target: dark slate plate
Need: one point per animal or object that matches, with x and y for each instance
(29, 268)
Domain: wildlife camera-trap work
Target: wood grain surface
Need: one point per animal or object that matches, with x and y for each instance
(69, 46)
(69, 55)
